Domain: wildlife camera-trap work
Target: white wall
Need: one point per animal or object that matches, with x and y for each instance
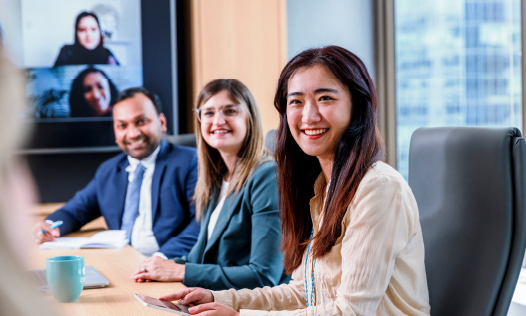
(10, 21)
(346, 23)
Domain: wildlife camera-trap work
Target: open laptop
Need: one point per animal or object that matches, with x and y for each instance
(92, 278)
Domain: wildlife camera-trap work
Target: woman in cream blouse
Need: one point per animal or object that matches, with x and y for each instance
(354, 243)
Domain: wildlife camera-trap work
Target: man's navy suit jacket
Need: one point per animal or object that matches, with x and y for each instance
(173, 213)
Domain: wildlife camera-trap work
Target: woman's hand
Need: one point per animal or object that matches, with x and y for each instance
(158, 269)
(202, 301)
(211, 309)
(190, 296)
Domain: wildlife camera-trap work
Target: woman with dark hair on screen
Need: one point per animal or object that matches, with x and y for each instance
(350, 228)
(92, 94)
(88, 48)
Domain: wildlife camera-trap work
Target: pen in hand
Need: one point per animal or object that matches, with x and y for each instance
(54, 225)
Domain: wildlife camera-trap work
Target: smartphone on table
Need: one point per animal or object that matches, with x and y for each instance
(163, 305)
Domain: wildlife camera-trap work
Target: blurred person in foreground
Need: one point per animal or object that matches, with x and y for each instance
(16, 196)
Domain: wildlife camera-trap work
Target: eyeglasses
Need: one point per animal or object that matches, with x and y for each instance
(228, 112)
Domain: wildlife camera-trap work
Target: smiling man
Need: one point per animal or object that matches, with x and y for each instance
(146, 191)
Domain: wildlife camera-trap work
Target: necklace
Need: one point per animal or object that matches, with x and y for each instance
(314, 260)
(312, 278)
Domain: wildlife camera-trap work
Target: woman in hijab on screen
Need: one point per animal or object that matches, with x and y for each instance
(88, 48)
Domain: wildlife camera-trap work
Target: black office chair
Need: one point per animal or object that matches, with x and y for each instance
(470, 186)
(271, 140)
(182, 139)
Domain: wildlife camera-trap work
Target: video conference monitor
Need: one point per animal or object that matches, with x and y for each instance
(77, 56)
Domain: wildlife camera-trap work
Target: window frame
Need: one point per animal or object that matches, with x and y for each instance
(385, 59)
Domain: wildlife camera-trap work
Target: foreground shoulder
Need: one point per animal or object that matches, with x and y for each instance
(265, 169)
(383, 190)
(112, 163)
(114, 160)
(262, 185)
(65, 52)
(382, 182)
(182, 150)
(66, 48)
(381, 174)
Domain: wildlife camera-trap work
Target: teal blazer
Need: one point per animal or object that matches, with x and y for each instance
(243, 251)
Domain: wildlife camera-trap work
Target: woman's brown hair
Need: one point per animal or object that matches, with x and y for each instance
(252, 152)
(359, 147)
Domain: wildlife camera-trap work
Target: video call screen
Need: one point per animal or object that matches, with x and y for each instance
(77, 56)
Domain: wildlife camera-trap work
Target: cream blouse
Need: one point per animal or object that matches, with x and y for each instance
(376, 266)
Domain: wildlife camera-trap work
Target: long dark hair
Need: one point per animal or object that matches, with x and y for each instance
(77, 21)
(359, 147)
(78, 105)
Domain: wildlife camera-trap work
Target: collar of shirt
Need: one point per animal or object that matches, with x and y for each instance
(146, 162)
(142, 237)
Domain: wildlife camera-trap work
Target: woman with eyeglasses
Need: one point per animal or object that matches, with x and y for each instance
(236, 199)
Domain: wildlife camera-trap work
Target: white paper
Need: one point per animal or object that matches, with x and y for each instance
(105, 239)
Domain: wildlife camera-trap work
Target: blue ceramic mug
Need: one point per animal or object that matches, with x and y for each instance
(65, 277)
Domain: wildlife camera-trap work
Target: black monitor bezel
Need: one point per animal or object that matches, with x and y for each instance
(160, 57)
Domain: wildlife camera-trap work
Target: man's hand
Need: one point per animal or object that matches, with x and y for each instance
(49, 235)
(158, 269)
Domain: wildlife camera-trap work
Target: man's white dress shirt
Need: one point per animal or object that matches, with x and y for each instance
(142, 238)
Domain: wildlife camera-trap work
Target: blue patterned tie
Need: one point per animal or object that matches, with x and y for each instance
(131, 207)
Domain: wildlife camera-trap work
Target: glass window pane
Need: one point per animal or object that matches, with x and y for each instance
(458, 62)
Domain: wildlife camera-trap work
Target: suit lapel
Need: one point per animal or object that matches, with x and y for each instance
(160, 167)
(203, 240)
(227, 211)
(121, 186)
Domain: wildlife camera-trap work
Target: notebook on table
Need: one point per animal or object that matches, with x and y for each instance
(105, 239)
(92, 278)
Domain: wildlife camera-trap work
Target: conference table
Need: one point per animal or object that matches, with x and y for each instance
(117, 265)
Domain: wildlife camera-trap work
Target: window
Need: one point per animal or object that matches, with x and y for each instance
(458, 62)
